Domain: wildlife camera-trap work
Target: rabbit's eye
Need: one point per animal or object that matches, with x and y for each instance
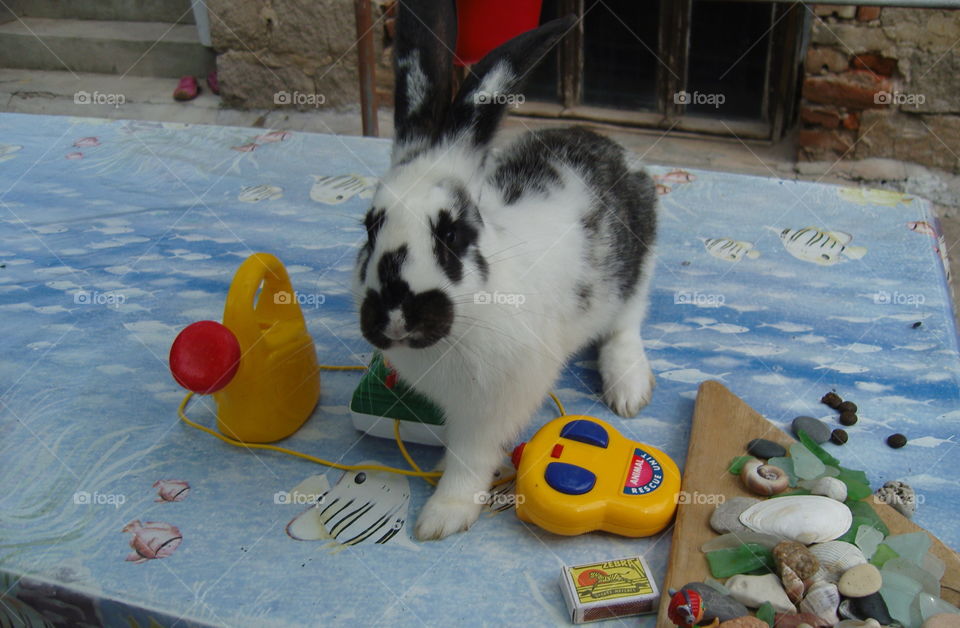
(450, 236)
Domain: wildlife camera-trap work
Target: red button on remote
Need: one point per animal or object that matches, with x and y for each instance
(557, 450)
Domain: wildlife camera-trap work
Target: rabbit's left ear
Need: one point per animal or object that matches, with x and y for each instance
(495, 82)
(423, 65)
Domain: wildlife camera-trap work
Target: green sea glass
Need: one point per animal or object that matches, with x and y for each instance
(736, 465)
(934, 565)
(863, 515)
(817, 450)
(930, 605)
(766, 613)
(911, 570)
(898, 592)
(787, 465)
(867, 539)
(858, 486)
(912, 546)
(744, 559)
(882, 555)
(806, 466)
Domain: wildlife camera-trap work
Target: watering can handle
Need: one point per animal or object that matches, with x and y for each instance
(277, 301)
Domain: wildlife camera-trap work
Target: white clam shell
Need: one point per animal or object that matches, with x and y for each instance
(835, 558)
(802, 518)
(822, 600)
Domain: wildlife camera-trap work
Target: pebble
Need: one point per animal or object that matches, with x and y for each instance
(848, 418)
(830, 487)
(942, 620)
(831, 399)
(815, 428)
(753, 591)
(871, 606)
(766, 449)
(917, 324)
(798, 557)
(747, 621)
(726, 516)
(839, 437)
(860, 581)
(899, 495)
(897, 441)
(847, 406)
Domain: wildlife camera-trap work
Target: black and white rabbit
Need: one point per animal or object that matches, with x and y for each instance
(484, 272)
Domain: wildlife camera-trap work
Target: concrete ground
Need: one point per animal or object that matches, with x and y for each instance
(55, 93)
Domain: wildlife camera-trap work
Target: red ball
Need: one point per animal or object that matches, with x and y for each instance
(205, 357)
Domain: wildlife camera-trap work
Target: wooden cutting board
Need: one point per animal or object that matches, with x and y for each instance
(722, 426)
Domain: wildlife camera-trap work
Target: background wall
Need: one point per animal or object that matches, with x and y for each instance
(908, 56)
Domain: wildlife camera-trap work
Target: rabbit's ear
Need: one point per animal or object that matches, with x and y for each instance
(495, 82)
(423, 62)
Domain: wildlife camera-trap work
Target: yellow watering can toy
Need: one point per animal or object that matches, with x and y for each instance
(260, 364)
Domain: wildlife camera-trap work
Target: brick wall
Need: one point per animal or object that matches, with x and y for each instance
(882, 83)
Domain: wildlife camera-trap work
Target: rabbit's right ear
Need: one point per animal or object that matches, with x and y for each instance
(423, 62)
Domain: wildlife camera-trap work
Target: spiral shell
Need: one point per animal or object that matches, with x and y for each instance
(792, 584)
(764, 479)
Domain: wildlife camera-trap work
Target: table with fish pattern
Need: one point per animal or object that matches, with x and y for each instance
(114, 235)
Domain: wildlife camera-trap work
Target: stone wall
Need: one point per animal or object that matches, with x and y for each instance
(882, 83)
(287, 53)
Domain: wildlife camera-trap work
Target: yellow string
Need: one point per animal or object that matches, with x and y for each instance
(417, 472)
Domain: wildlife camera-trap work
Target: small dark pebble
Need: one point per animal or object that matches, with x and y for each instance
(897, 441)
(685, 263)
(917, 324)
(838, 436)
(871, 606)
(766, 449)
(848, 418)
(847, 406)
(831, 399)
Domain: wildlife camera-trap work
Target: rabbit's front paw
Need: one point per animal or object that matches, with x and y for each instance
(627, 379)
(442, 516)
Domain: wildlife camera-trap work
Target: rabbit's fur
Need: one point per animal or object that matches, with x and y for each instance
(483, 273)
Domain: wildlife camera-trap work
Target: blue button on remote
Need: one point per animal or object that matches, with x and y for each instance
(569, 478)
(586, 432)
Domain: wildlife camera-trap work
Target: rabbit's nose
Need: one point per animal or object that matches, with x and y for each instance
(396, 328)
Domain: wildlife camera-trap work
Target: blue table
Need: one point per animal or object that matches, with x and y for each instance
(115, 235)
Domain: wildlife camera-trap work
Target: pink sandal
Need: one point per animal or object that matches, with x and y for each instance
(213, 83)
(187, 89)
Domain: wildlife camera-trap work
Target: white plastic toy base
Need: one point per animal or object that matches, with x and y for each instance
(410, 431)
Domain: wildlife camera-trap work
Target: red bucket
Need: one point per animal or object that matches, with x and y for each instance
(485, 24)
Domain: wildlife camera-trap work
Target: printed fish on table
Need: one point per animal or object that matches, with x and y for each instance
(729, 249)
(333, 190)
(171, 490)
(819, 246)
(152, 540)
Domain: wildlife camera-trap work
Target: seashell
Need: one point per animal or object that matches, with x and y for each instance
(801, 518)
(835, 558)
(764, 479)
(822, 600)
(830, 487)
(792, 584)
(798, 557)
(754, 591)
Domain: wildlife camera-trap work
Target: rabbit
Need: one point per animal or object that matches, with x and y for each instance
(483, 272)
